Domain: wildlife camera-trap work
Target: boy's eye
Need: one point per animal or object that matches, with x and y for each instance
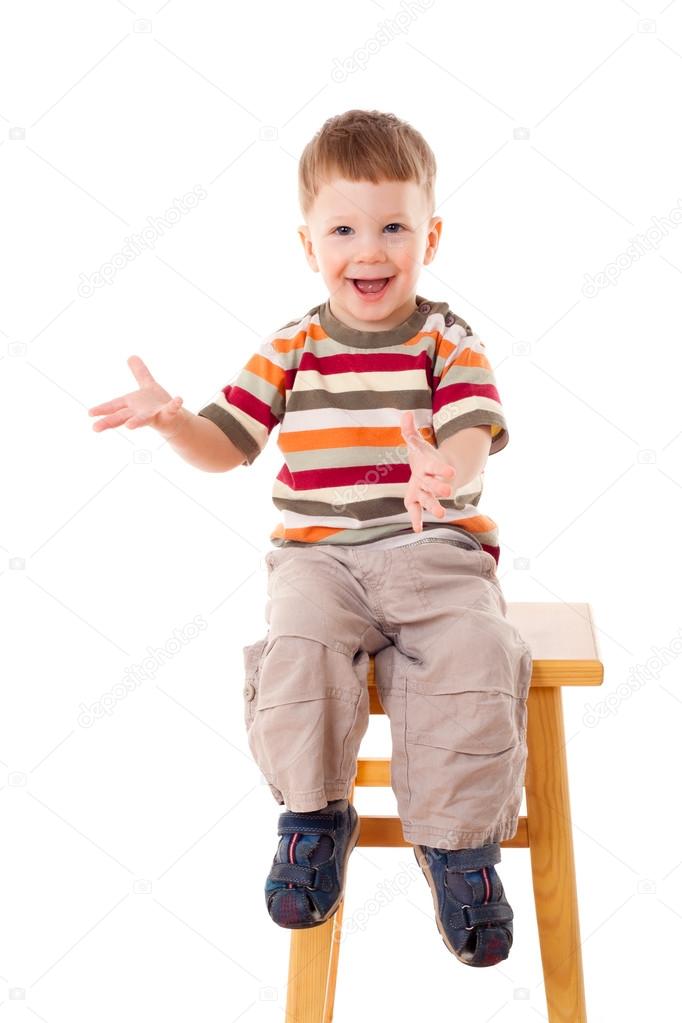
(344, 227)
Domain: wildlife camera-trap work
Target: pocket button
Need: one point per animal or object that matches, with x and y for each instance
(249, 691)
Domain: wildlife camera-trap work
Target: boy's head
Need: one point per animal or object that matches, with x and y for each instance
(366, 191)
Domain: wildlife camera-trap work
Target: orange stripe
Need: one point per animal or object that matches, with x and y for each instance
(308, 534)
(424, 333)
(348, 437)
(468, 358)
(287, 344)
(476, 524)
(266, 370)
(444, 349)
(313, 534)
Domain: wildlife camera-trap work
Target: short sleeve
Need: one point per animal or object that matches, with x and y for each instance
(465, 392)
(248, 409)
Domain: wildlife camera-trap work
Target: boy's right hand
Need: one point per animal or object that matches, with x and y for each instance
(151, 405)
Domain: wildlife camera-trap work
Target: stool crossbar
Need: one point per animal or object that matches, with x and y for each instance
(562, 639)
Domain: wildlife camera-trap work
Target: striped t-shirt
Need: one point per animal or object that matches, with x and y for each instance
(337, 394)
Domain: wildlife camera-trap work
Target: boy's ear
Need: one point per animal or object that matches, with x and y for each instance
(304, 235)
(433, 238)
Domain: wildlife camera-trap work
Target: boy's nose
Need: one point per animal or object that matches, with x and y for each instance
(371, 263)
(368, 254)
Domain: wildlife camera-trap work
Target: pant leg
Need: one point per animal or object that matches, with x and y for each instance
(306, 698)
(455, 686)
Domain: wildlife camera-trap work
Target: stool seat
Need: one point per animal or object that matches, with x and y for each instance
(562, 639)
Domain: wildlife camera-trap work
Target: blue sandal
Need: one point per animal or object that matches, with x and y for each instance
(307, 879)
(472, 912)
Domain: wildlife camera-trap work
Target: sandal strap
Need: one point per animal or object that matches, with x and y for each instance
(297, 873)
(291, 822)
(461, 860)
(472, 916)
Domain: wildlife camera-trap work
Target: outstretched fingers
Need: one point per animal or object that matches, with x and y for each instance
(140, 371)
(108, 406)
(430, 502)
(112, 421)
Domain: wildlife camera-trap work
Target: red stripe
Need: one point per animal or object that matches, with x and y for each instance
(494, 551)
(254, 407)
(372, 362)
(487, 885)
(465, 389)
(292, 846)
(364, 362)
(344, 476)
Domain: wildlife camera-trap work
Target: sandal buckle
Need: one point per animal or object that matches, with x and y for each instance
(462, 909)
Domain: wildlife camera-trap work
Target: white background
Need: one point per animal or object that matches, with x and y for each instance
(135, 850)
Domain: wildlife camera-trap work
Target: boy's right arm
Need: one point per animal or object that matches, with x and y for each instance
(199, 441)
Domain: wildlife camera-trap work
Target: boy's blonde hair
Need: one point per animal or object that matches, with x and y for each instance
(365, 145)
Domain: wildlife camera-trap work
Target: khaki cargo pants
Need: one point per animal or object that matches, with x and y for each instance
(452, 674)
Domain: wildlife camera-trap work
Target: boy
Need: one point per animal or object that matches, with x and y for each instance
(388, 411)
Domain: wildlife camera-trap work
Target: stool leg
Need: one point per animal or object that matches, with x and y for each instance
(309, 973)
(313, 965)
(551, 853)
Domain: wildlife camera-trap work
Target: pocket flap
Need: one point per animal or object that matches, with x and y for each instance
(300, 669)
(488, 659)
(466, 722)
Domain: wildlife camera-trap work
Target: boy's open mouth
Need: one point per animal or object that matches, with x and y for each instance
(370, 287)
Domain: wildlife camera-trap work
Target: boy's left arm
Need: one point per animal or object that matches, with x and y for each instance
(467, 452)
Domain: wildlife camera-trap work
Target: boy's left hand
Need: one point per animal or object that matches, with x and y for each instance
(428, 469)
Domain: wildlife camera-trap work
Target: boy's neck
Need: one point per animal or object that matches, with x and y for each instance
(394, 319)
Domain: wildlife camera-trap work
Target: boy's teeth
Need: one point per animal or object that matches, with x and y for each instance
(370, 287)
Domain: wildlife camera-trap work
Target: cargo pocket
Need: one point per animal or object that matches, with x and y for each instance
(475, 723)
(465, 732)
(253, 655)
(311, 713)
(466, 754)
(472, 699)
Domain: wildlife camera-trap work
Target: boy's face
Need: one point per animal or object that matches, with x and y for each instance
(359, 230)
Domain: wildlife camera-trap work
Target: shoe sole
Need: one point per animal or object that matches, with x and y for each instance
(421, 860)
(352, 842)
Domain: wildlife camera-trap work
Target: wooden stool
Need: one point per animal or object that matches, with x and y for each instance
(564, 647)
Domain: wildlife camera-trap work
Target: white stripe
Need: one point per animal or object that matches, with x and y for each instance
(331, 418)
(293, 520)
(455, 409)
(350, 493)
